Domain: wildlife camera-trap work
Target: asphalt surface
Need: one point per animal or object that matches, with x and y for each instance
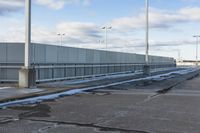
(10, 92)
(169, 106)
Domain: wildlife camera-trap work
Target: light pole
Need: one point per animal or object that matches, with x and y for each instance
(106, 35)
(100, 43)
(61, 37)
(61, 43)
(197, 43)
(146, 69)
(27, 58)
(147, 32)
(179, 54)
(27, 75)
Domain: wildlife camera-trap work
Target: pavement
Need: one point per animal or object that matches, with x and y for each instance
(10, 92)
(168, 106)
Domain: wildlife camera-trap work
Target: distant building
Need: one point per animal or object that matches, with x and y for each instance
(187, 63)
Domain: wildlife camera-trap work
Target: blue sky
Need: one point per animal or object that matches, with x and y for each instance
(173, 23)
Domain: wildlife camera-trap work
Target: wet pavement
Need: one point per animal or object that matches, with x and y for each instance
(126, 108)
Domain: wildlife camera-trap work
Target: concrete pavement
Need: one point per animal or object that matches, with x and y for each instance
(10, 92)
(128, 108)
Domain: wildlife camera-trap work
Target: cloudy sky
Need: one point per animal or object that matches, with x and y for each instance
(172, 22)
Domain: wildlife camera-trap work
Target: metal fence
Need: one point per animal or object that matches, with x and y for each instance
(53, 72)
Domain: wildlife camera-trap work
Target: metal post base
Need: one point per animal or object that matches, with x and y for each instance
(146, 70)
(27, 78)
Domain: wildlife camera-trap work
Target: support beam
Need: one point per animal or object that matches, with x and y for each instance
(27, 76)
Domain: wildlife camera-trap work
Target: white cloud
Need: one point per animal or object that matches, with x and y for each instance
(78, 29)
(10, 6)
(55, 4)
(190, 13)
(87, 35)
(159, 19)
(59, 4)
(76, 32)
(15, 5)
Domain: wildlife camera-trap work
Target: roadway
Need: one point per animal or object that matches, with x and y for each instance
(167, 106)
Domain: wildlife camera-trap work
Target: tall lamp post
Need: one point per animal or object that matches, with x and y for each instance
(147, 32)
(179, 54)
(61, 43)
(27, 74)
(106, 35)
(146, 69)
(197, 47)
(61, 38)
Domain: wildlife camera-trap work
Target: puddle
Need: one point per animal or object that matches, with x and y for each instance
(39, 110)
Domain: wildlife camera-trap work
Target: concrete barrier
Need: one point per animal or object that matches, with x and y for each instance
(56, 62)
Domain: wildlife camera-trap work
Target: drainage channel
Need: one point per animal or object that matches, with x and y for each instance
(40, 99)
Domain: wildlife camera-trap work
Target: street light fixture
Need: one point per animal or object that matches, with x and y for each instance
(61, 37)
(100, 42)
(197, 43)
(106, 35)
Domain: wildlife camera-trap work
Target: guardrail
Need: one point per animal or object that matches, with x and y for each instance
(53, 72)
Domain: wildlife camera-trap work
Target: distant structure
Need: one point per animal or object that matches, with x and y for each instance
(187, 63)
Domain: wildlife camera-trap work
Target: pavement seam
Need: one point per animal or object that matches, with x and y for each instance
(92, 125)
(169, 88)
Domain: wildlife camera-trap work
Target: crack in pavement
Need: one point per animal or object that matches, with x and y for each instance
(169, 88)
(42, 110)
(5, 120)
(92, 125)
(159, 92)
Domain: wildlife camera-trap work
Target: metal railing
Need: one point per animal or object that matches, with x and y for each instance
(52, 72)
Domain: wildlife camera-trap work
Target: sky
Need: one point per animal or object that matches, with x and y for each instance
(172, 24)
